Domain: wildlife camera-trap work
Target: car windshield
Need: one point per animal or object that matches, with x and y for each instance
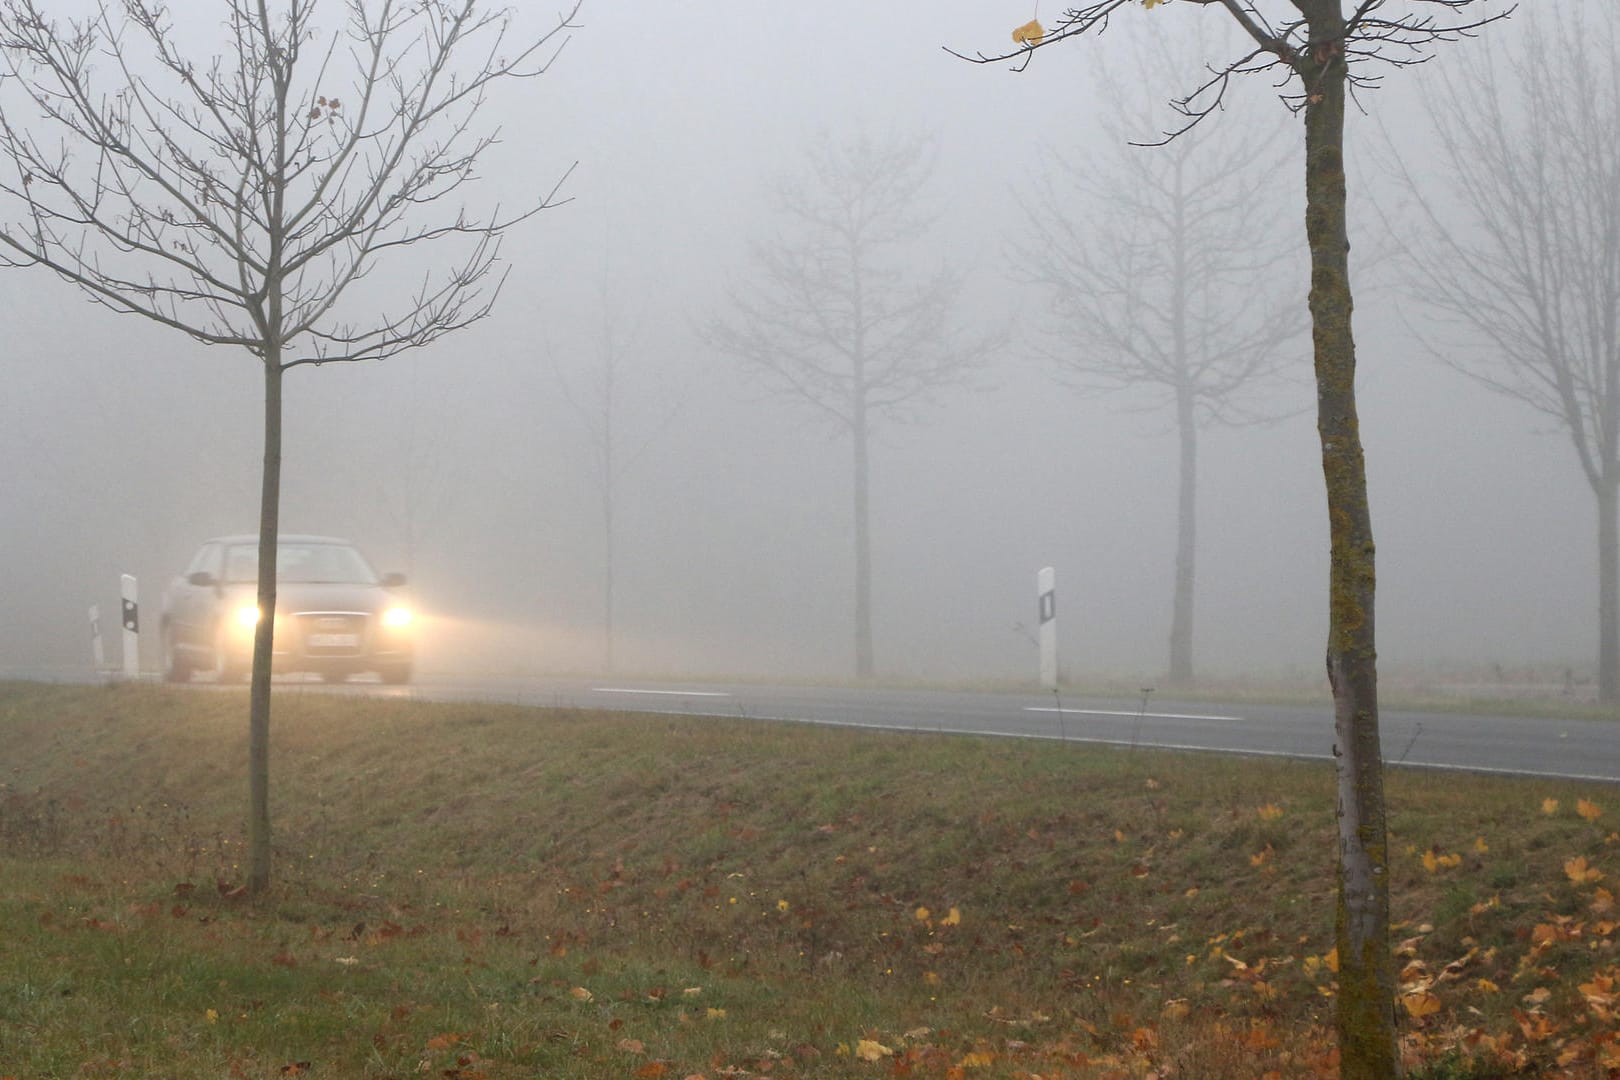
(303, 564)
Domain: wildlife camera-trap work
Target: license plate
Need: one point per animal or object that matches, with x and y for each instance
(332, 641)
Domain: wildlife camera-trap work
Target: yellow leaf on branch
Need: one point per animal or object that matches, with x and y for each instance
(1030, 33)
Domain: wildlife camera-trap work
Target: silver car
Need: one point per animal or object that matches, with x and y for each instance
(335, 615)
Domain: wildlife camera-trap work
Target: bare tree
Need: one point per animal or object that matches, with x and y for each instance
(1163, 272)
(600, 402)
(245, 198)
(1526, 250)
(830, 317)
(416, 483)
(1323, 51)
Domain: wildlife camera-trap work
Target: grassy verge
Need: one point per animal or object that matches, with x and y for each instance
(483, 891)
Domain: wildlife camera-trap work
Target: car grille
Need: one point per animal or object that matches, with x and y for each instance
(332, 633)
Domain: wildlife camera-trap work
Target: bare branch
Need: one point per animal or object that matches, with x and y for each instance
(204, 195)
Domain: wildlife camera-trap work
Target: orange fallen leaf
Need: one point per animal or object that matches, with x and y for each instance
(1420, 1004)
(1549, 806)
(1581, 874)
(1588, 809)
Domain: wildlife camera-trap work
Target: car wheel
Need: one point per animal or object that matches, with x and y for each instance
(396, 674)
(175, 668)
(225, 669)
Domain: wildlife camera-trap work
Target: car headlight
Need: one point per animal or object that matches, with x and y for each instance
(397, 617)
(248, 615)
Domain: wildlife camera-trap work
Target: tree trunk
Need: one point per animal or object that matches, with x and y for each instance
(607, 567)
(1608, 595)
(863, 549)
(264, 634)
(1366, 1006)
(1181, 617)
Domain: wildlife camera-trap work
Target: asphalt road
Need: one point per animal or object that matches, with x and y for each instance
(1570, 749)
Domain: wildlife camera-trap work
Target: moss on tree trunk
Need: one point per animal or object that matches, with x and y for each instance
(1366, 1006)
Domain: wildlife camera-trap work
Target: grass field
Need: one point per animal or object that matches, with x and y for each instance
(470, 891)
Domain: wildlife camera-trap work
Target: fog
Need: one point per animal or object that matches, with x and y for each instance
(470, 464)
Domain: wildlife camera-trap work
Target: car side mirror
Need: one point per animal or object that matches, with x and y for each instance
(393, 581)
(202, 579)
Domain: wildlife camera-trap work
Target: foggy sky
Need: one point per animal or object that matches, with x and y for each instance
(124, 444)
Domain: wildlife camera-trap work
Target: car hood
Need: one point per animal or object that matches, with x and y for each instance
(295, 597)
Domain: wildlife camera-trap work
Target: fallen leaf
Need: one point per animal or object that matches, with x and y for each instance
(579, 993)
(872, 1050)
(1420, 1004)
(1549, 806)
(1588, 809)
(1581, 874)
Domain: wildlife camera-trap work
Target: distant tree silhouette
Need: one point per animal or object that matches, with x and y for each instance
(830, 315)
(1526, 251)
(1162, 269)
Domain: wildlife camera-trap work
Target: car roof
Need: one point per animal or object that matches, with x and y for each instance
(284, 538)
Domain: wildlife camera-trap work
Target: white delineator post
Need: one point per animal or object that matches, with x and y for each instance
(1046, 592)
(132, 628)
(96, 649)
